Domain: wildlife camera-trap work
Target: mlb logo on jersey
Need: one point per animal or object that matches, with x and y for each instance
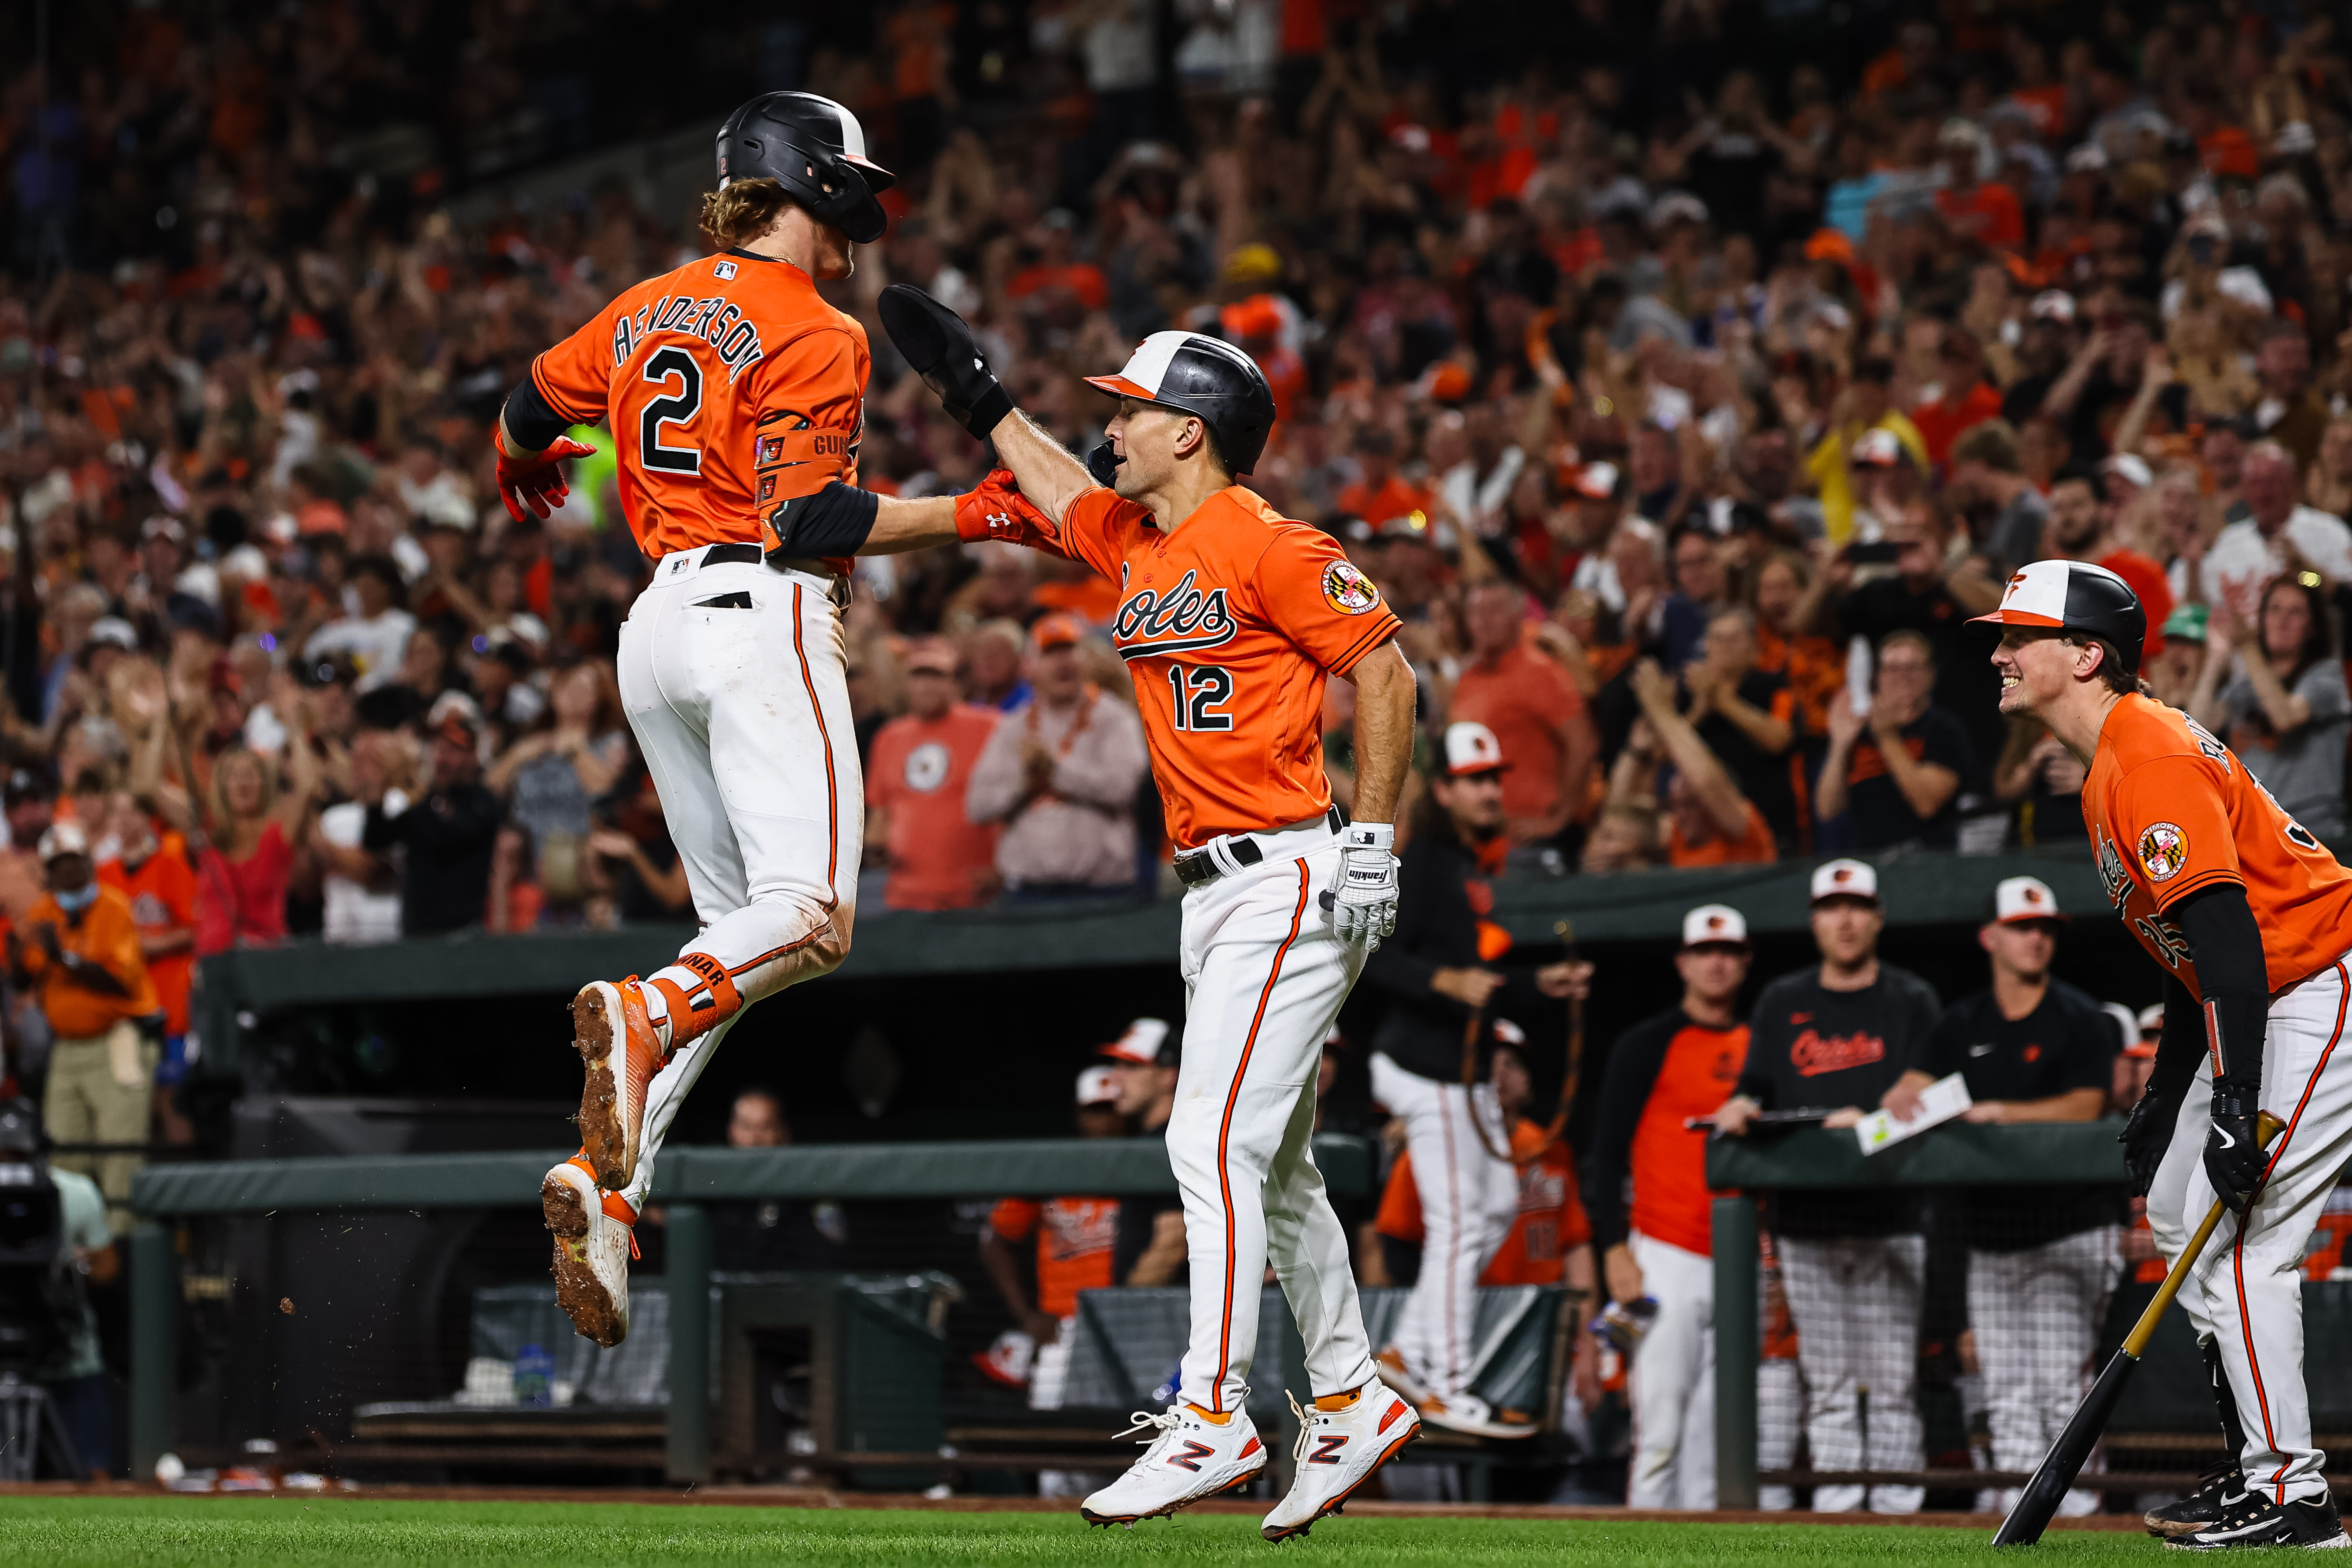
(725, 271)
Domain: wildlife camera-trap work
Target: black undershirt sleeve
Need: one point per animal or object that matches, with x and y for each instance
(2233, 983)
(533, 424)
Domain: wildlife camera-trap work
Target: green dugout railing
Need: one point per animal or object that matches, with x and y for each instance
(1957, 1154)
(1919, 888)
(684, 1182)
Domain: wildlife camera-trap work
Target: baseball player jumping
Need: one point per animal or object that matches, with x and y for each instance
(2249, 915)
(1230, 619)
(736, 396)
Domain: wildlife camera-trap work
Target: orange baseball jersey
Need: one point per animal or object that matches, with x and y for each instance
(1076, 1238)
(1671, 1201)
(1229, 624)
(730, 386)
(2171, 811)
(162, 894)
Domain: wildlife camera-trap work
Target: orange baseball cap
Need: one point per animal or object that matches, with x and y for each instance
(1055, 630)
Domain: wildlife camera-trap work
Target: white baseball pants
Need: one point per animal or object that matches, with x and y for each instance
(2246, 1287)
(1264, 977)
(2037, 1313)
(1856, 1303)
(742, 715)
(1671, 1384)
(1468, 1199)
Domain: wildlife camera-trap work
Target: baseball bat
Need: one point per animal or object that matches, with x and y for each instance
(2039, 1503)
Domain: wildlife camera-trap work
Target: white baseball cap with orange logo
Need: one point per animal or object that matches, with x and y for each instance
(1714, 923)
(2020, 898)
(1845, 879)
(1471, 748)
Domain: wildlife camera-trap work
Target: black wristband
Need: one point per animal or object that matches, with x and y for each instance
(989, 412)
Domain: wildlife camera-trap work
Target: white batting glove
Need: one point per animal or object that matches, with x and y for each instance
(1364, 903)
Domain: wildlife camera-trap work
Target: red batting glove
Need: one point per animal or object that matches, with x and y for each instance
(537, 478)
(996, 509)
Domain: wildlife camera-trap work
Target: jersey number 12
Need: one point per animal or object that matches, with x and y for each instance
(1201, 694)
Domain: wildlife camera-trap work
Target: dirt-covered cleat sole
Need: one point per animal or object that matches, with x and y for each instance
(2221, 1489)
(1166, 1509)
(620, 1056)
(592, 1254)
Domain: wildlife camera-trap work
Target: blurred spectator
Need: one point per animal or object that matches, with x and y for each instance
(1897, 770)
(773, 1234)
(1932, 596)
(2172, 675)
(251, 828)
(936, 856)
(2043, 782)
(377, 628)
(1985, 472)
(2041, 1263)
(2277, 534)
(552, 776)
(78, 946)
(1708, 822)
(1061, 775)
(1535, 713)
(361, 887)
(1652, 1214)
(1854, 1262)
(2284, 707)
(1963, 396)
(1746, 716)
(447, 832)
(162, 888)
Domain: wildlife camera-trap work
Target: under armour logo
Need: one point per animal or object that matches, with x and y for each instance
(1192, 1455)
(1327, 1450)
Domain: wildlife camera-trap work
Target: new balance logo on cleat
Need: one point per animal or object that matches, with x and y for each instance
(1327, 1450)
(1192, 1455)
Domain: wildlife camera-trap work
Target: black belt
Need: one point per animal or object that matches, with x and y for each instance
(749, 555)
(1200, 865)
(752, 555)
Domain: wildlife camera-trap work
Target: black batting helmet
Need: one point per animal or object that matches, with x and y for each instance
(2074, 596)
(815, 149)
(1203, 376)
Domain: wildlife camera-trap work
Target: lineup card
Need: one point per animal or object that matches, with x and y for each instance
(1939, 1102)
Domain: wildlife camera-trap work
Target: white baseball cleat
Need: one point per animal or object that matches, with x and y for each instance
(596, 1237)
(1191, 1457)
(1469, 1414)
(1337, 1452)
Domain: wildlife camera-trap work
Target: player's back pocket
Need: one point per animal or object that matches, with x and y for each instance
(739, 600)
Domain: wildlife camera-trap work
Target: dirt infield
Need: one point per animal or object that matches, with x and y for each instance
(826, 1497)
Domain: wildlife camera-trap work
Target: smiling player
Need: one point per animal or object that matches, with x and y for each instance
(2249, 915)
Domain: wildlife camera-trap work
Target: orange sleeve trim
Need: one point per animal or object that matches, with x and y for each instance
(558, 404)
(2198, 884)
(1388, 627)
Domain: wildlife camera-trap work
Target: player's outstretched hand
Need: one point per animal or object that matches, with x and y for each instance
(1364, 904)
(937, 344)
(995, 509)
(536, 479)
(2234, 1147)
(2146, 1133)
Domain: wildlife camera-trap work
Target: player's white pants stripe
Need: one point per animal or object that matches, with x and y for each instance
(2246, 1289)
(1468, 1199)
(743, 718)
(1856, 1303)
(2036, 1314)
(1672, 1381)
(1264, 976)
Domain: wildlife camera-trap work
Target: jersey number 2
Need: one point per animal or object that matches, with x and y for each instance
(1201, 694)
(663, 367)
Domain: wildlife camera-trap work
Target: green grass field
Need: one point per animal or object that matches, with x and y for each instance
(359, 1533)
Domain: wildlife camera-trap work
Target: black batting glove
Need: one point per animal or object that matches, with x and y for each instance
(2147, 1134)
(939, 346)
(2234, 1147)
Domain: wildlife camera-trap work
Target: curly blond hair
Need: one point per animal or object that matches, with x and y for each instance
(742, 212)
